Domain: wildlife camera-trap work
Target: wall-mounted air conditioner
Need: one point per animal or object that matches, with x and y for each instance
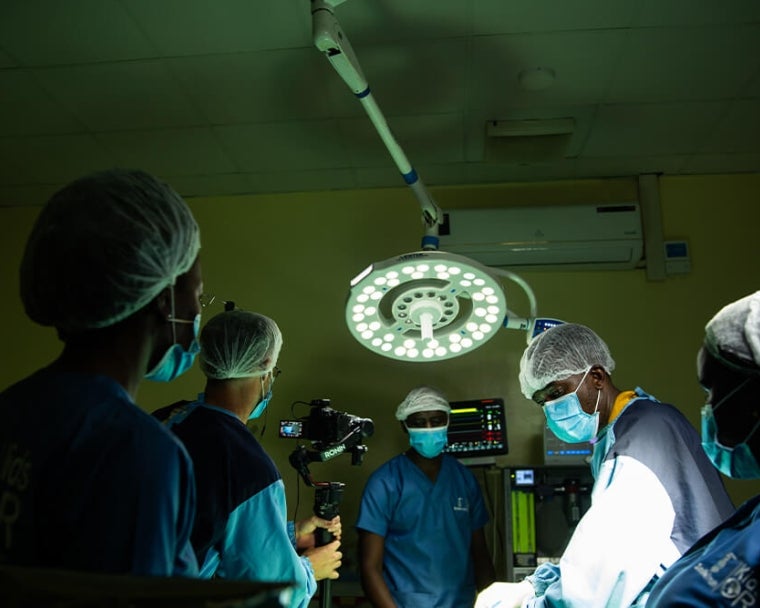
(602, 236)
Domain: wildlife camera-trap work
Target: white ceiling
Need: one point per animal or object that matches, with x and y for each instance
(230, 96)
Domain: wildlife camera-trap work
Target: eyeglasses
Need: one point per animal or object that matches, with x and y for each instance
(206, 298)
(276, 371)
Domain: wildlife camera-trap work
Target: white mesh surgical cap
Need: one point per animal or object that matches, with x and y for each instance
(735, 330)
(239, 344)
(560, 352)
(422, 399)
(103, 247)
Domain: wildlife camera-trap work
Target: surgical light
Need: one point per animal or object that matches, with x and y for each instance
(426, 305)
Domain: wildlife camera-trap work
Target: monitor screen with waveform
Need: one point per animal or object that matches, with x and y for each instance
(477, 430)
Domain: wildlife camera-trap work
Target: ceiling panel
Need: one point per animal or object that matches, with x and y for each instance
(52, 32)
(296, 146)
(651, 129)
(26, 109)
(370, 22)
(124, 95)
(582, 73)
(169, 151)
(55, 159)
(659, 13)
(197, 27)
(497, 16)
(686, 64)
(287, 84)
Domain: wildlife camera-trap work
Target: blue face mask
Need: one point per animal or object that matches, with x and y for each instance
(567, 420)
(429, 442)
(737, 462)
(176, 361)
(261, 406)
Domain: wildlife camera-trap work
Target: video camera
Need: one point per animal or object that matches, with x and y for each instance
(331, 433)
(325, 426)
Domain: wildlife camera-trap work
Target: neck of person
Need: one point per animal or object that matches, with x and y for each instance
(430, 466)
(237, 395)
(121, 352)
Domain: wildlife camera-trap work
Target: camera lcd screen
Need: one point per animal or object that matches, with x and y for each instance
(477, 428)
(291, 428)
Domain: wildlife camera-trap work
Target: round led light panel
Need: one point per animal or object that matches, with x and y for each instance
(425, 306)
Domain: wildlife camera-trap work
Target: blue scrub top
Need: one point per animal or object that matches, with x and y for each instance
(722, 569)
(241, 531)
(90, 482)
(428, 530)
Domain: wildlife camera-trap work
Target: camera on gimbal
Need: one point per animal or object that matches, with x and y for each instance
(327, 428)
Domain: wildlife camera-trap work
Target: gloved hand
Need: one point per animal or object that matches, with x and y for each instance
(504, 595)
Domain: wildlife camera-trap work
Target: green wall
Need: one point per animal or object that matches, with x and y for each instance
(291, 257)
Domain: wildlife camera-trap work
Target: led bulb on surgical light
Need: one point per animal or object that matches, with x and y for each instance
(425, 306)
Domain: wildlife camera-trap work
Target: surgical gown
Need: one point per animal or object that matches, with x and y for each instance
(241, 530)
(90, 482)
(427, 529)
(722, 569)
(655, 494)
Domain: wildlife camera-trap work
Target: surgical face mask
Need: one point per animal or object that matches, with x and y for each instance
(567, 420)
(261, 406)
(737, 462)
(429, 442)
(176, 361)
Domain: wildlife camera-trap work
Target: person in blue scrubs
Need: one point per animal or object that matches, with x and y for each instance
(241, 531)
(723, 567)
(655, 492)
(421, 518)
(88, 480)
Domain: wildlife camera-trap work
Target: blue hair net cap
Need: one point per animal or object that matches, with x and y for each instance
(560, 352)
(103, 247)
(239, 344)
(735, 330)
(422, 399)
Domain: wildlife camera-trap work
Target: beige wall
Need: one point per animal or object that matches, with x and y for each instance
(292, 256)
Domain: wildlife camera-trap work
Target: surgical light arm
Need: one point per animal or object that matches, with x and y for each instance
(330, 40)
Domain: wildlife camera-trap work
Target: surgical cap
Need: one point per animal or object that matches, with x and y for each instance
(422, 399)
(560, 352)
(735, 330)
(103, 247)
(239, 344)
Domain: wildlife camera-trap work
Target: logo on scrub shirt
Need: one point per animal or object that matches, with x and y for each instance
(731, 578)
(461, 504)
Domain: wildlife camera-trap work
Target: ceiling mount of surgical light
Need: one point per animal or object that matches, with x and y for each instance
(426, 305)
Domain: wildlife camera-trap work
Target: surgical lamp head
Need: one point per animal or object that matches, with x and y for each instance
(425, 306)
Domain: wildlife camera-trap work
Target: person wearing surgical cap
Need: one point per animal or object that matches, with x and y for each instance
(241, 531)
(655, 492)
(723, 567)
(88, 480)
(421, 518)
